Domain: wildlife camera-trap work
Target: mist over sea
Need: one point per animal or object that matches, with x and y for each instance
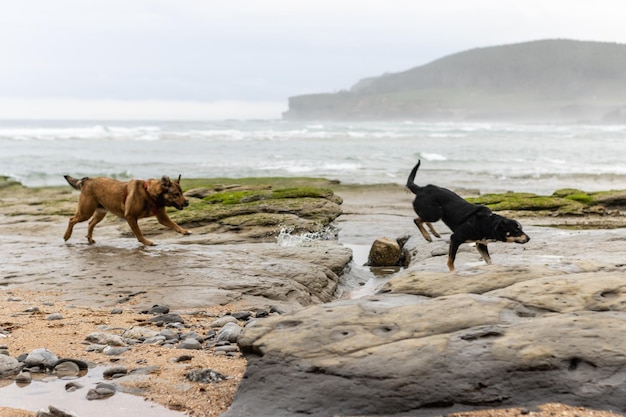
(489, 157)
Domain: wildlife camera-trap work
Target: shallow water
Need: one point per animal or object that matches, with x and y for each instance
(41, 393)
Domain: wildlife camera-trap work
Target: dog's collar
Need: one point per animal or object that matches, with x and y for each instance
(146, 186)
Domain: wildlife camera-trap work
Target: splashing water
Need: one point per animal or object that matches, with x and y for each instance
(286, 237)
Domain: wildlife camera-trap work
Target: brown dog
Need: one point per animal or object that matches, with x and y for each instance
(132, 200)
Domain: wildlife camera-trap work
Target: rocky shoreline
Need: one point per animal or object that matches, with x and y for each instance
(521, 336)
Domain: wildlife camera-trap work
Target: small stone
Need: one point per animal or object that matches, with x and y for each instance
(183, 358)
(190, 344)
(24, 377)
(117, 310)
(205, 375)
(65, 369)
(169, 334)
(101, 391)
(72, 386)
(158, 309)
(227, 348)
(40, 357)
(105, 339)
(242, 315)
(230, 332)
(140, 333)
(221, 322)
(167, 318)
(54, 316)
(114, 371)
(114, 351)
(32, 310)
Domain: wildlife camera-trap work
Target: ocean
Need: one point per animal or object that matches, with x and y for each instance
(488, 157)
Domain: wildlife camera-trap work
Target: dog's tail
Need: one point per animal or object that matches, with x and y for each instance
(410, 182)
(75, 183)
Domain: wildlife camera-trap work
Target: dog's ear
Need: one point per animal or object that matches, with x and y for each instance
(165, 181)
(178, 180)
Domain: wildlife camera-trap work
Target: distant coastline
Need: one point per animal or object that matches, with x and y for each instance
(547, 81)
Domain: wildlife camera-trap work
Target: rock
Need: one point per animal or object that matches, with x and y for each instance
(205, 376)
(385, 252)
(54, 412)
(230, 332)
(113, 371)
(190, 343)
(139, 333)
(9, 365)
(72, 386)
(40, 358)
(101, 338)
(167, 318)
(23, 377)
(54, 316)
(101, 391)
(82, 365)
(65, 369)
(114, 351)
(412, 355)
(169, 334)
(222, 321)
(158, 309)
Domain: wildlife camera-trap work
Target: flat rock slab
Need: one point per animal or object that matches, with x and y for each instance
(407, 355)
(543, 324)
(182, 276)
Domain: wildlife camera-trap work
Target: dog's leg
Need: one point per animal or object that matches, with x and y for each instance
(484, 252)
(454, 247)
(420, 225)
(84, 211)
(165, 220)
(132, 222)
(432, 229)
(97, 218)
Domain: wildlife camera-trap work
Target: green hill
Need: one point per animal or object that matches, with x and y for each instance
(547, 80)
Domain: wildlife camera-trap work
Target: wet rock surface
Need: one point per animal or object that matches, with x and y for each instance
(543, 324)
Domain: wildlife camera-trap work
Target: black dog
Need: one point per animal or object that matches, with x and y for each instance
(468, 222)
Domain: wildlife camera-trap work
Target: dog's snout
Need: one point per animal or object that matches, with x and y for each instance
(186, 203)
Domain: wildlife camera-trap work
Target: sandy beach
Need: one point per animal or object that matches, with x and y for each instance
(85, 283)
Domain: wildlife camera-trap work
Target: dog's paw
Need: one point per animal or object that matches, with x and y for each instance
(187, 232)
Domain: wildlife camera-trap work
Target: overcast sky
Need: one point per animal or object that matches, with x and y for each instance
(206, 59)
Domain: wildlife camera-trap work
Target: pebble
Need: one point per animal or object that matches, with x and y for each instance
(205, 375)
(183, 358)
(72, 386)
(115, 371)
(24, 377)
(158, 309)
(167, 318)
(65, 369)
(101, 391)
(230, 332)
(222, 321)
(190, 344)
(54, 412)
(114, 351)
(105, 339)
(117, 310)
(40, 357)
(227, 348)
(54, 316)
(32, 310)
(140, 333)
(193, 335)
(169, 334)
